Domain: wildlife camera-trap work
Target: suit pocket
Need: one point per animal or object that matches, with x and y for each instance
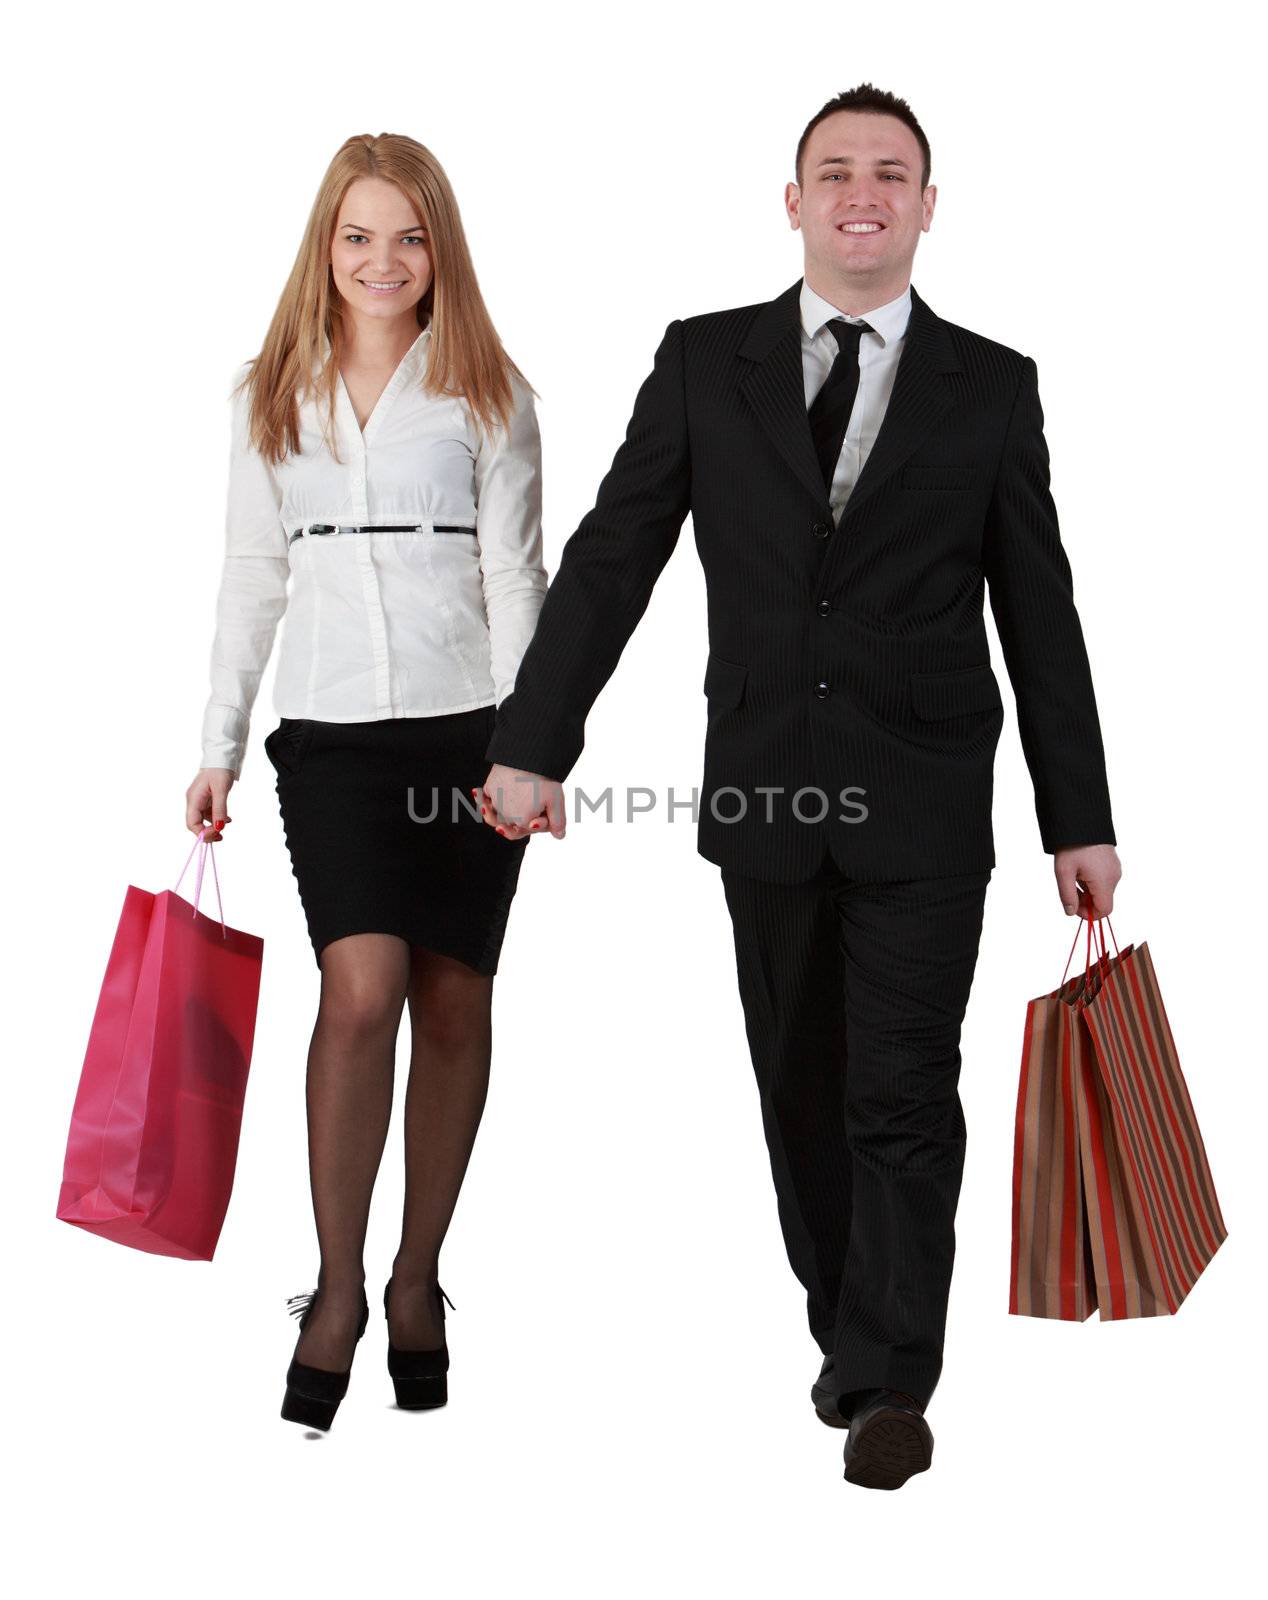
(938, 477)
(724, 683)
(288, 745)
(938, 695)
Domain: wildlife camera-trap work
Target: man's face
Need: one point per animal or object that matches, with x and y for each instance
(859, 206)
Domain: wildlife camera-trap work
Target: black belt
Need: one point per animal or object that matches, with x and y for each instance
(378, 527)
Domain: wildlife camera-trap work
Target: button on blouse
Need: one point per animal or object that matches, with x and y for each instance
(380, 624)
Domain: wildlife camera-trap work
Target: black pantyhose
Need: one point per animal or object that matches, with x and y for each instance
(367, 981)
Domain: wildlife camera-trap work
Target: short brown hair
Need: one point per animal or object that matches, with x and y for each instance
(867, 97)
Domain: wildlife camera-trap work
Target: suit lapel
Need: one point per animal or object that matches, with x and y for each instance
(921, 396)
(774, 386)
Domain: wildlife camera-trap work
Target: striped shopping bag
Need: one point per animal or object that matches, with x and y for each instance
(1114, 1207)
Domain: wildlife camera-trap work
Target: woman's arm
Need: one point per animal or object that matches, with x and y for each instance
(252, 595)
(508, 482)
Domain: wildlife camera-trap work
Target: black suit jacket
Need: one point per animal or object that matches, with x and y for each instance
(841, 658)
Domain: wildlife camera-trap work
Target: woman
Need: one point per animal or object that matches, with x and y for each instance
(386, 463)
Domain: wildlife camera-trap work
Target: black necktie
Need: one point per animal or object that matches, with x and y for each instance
(830, 412)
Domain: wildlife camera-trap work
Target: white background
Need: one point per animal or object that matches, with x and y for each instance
(629, 1407)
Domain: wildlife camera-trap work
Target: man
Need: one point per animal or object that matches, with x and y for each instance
(859, 470)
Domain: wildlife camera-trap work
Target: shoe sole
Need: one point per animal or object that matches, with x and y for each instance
(892, 1447)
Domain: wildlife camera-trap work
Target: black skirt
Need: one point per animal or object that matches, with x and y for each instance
(377, 818)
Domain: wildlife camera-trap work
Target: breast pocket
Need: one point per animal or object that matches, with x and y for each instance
(938, 477)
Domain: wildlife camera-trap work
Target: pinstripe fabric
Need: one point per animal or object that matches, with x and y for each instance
(867, 1157)
(884, 609)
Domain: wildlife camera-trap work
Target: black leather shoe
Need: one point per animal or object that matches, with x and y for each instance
(420, 1377)
(823, 1392)
(313, 1394)
(889, 1441)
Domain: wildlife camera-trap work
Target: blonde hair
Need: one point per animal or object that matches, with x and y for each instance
(465, 355)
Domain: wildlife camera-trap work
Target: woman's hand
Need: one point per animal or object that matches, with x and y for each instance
(206, 801)
(519, 804)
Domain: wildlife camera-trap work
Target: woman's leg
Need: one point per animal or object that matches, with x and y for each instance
(449, 1006)
(364, 979)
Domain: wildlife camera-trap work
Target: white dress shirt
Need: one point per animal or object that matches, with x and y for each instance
(878, 364)
(378, 624)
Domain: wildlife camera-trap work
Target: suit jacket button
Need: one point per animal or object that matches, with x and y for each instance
(821, 530)
(822, 691)
(824, 607)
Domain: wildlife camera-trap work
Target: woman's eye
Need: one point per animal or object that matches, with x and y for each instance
(417, 238)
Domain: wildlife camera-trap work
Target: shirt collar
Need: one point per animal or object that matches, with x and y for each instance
(889, 321)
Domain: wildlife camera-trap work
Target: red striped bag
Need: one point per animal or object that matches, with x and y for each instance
(1114, 1207)
(1051, 1256)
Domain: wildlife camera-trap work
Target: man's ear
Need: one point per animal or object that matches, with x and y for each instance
(792, 205)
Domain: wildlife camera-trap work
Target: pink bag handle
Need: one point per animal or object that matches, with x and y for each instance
(198, 883)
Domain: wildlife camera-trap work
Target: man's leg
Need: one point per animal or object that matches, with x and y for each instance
(910, 950)
(791, 978)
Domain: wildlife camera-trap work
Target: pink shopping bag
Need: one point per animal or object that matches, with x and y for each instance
(154, 1132)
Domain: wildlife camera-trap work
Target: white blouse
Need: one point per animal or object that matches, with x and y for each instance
(401, 624)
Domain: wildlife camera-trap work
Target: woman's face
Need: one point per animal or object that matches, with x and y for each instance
(379, 254)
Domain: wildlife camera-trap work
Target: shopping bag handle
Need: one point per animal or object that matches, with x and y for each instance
(1100, 937)
(207, 845)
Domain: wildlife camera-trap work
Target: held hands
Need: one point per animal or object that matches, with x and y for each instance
(1086, 878)
(518, 803)
(206, 800)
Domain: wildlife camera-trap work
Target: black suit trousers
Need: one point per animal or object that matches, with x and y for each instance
(854, 994)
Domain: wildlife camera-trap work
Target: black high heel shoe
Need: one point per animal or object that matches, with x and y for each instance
(420, 1377)
(313, 1394)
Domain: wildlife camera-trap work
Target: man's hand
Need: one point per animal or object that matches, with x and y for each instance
(1086, 878)
(518, 803)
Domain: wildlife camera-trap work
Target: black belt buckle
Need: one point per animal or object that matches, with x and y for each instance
(316, 527)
